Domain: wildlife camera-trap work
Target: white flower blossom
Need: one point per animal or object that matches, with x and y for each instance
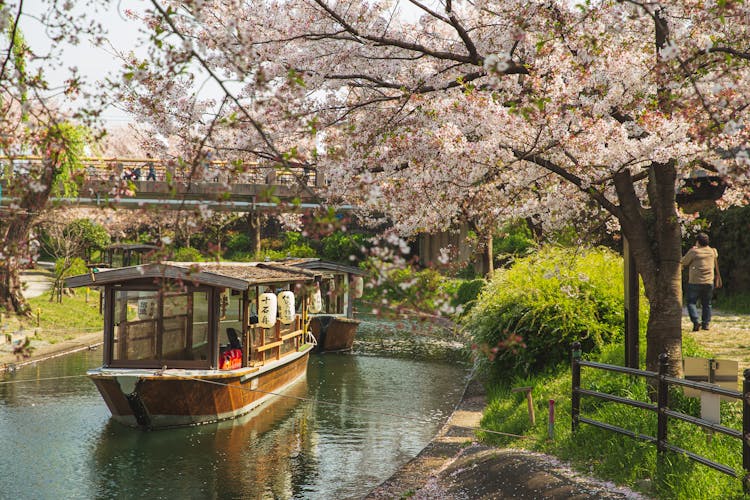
(732, 127)
(742, 157)
(669, 51)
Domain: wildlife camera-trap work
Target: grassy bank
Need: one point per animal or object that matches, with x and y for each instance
(53, 322)
(609, 455)
(738, 303)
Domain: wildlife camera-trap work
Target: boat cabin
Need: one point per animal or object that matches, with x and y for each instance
(128, 254)
(205, 316)
(339, 285)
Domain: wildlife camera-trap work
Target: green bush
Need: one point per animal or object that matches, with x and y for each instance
(238, 242)
(95, 236)
(423, 290)
(77, 266)
(467, 293)
(527, 317)
(340, 246)
(187, 254)
(515, 239)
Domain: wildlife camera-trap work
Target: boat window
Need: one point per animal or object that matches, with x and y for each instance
(230, 314)
(160, 325)
(333, 292)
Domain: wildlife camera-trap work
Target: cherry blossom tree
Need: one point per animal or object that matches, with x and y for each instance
(33, 123)
(482, 111)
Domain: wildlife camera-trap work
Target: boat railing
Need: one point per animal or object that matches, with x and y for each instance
(269, 344)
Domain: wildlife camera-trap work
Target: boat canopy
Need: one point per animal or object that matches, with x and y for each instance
(200, 315)
(231, 275)
(316, 264)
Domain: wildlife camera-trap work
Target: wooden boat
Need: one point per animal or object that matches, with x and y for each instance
(333, 324)
(192, 343)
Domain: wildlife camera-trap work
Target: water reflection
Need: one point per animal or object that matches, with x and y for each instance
(241, 458)
(59, 441)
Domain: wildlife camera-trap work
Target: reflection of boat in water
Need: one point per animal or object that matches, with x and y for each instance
(264, 454)
(332, 314)
(191, 343)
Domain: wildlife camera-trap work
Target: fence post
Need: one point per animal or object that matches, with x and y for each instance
(746, 429)
(575, 398)
(662, 400)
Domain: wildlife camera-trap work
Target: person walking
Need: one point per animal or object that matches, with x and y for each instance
(702, 262)
(151, 168)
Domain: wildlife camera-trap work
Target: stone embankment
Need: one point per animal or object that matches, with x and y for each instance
(454, 466)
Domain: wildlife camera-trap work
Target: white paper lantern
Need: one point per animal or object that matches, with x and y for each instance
(358, 287)
(267, 310)
(316, 301)
(286, 307)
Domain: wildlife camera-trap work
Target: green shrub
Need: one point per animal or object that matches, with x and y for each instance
(95, 236)
(423, 290)
(527, 317)
(467, 293)
(77, 266)
(515, 239)
(238, 242)
(187, 254)
(340, 246)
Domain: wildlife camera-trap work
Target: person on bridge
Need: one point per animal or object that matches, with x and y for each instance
(151, 172)
(151, 168)
(702, 262)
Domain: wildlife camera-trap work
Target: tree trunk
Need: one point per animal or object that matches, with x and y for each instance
(16, 241)
(656, 249)
(488, 263)
(11, 297)
(254, 227)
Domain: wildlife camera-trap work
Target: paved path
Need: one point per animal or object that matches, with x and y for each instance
(36, 281)
(728, 338)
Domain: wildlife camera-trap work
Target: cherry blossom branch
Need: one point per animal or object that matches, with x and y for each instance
(222, 84)
(512, 69)
(12, 40)
(572, 178)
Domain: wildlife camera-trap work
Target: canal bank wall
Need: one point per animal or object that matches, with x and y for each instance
(42, 351)
(455, 465)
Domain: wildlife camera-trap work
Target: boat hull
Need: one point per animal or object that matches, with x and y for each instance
(175, 398)
(333, 333)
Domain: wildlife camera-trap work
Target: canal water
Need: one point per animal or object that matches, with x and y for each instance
(346, 428)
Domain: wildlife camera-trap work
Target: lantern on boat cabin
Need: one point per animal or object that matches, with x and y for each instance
(358, 287)
(316, 301)
(267, 310)
(286, 307)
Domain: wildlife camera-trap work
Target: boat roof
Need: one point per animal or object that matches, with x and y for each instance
(232, 275)
(131, 246)
(314, 263)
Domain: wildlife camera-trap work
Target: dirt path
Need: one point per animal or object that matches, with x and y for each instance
(728, 338)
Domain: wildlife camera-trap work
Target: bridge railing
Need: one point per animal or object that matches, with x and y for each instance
(114, 168)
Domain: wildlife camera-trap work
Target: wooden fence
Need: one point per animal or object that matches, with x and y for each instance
(663, 412)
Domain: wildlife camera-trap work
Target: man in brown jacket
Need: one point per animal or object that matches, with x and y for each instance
(702, 262)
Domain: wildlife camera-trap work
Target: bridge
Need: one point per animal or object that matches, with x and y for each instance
(138, 183)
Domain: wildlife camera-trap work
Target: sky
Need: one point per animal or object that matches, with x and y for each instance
(95, 62)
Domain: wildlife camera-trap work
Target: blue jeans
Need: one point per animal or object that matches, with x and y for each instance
(704, 293)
